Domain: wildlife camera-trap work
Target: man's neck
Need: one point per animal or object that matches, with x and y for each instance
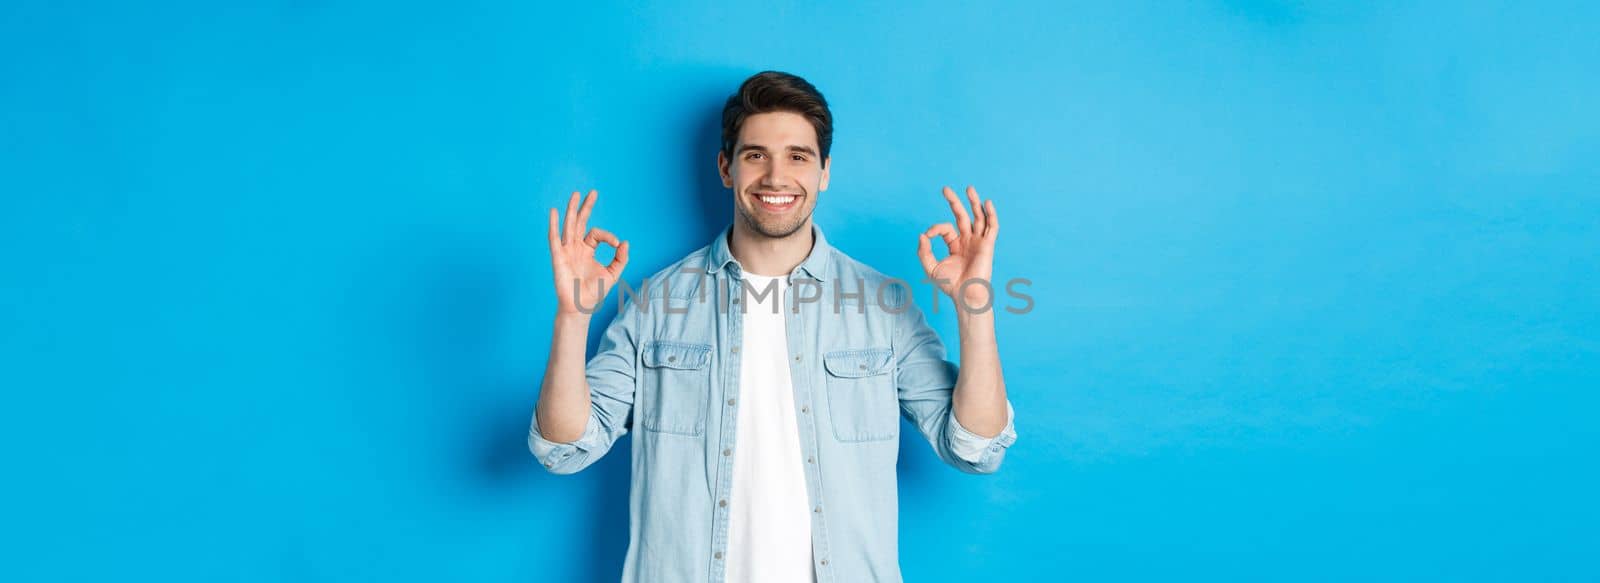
(771, 256)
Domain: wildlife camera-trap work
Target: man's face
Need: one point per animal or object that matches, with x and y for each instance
(775, 173)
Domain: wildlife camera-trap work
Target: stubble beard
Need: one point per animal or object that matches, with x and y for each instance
(773, 231)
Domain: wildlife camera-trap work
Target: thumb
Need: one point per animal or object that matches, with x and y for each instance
(925, 254)
(619, 261)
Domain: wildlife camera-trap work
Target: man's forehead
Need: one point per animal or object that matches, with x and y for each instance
(778, 130)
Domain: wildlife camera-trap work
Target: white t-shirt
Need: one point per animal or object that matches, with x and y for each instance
(769, 518)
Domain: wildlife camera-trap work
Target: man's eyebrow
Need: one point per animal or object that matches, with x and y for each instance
(760, 148)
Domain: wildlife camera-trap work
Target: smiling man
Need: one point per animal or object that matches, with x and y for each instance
(767, 372)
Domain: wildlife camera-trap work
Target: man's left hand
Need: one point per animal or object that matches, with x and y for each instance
(971, 245)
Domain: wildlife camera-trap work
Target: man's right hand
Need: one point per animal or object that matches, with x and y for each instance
(572, 258)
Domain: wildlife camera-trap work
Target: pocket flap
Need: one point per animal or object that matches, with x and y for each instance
(857, 363)
(676, 355)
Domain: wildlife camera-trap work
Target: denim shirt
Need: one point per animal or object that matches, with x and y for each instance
(862, 356)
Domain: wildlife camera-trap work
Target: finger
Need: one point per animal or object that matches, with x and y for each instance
(963, 224)
(947, 231)
(583, 213)
(571, 224)
(598, 235)
(925, 253)
(994, 219)
(619, 261)
(979, 220)
(555, 232)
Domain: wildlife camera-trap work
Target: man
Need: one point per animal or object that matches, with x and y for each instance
(769, 432)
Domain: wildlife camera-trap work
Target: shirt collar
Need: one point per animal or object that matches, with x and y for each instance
(815, 265)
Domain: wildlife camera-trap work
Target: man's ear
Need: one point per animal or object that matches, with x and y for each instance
(827, 163)
(722, 169)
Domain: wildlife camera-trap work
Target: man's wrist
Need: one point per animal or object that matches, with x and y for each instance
(975, 316)
(573, 318)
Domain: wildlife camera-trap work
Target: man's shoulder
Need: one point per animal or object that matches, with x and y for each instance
(848, 267)
(679, 279)
(847, 271)
(693, 264)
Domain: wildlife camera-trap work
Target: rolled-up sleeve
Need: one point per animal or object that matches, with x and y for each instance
(610, 374)
(973, 447)
(926, 381)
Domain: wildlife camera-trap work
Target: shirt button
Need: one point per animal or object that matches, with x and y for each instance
(797, 358)
(672, 359)
(735, 350)
(723, 503)
(862, 367)
(818, 510)
(824, 561)
(730, 401)
(719, 554)
(805, 409)
(727, 452)
(811, 460)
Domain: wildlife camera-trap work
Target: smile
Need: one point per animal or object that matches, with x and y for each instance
(776, 202)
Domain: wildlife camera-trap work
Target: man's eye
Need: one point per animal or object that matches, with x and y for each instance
(799, 158)
(752, 155)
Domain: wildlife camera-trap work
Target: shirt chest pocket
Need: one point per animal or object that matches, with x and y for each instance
(862, 401)
(676, 382)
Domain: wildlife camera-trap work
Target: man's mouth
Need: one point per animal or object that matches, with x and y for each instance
(776, 202)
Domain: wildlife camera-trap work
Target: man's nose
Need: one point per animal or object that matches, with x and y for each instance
(772, 178)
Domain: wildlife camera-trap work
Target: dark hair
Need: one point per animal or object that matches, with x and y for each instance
(770, 91)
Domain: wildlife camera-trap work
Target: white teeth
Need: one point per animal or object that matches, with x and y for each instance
(777, 199)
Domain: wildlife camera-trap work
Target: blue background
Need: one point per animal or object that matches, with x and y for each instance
(1315, 284)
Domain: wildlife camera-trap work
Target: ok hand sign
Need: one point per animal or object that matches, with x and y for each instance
(573, 259)
(971, 245)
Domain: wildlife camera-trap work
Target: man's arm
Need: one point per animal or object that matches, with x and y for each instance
(980, 396)
(582, 410)
(931, 389)
(563, 409)
(985, 427)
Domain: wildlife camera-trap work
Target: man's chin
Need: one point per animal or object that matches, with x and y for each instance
(779, 231)
(773, 231)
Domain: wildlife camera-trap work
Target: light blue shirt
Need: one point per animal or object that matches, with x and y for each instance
(862, 356)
